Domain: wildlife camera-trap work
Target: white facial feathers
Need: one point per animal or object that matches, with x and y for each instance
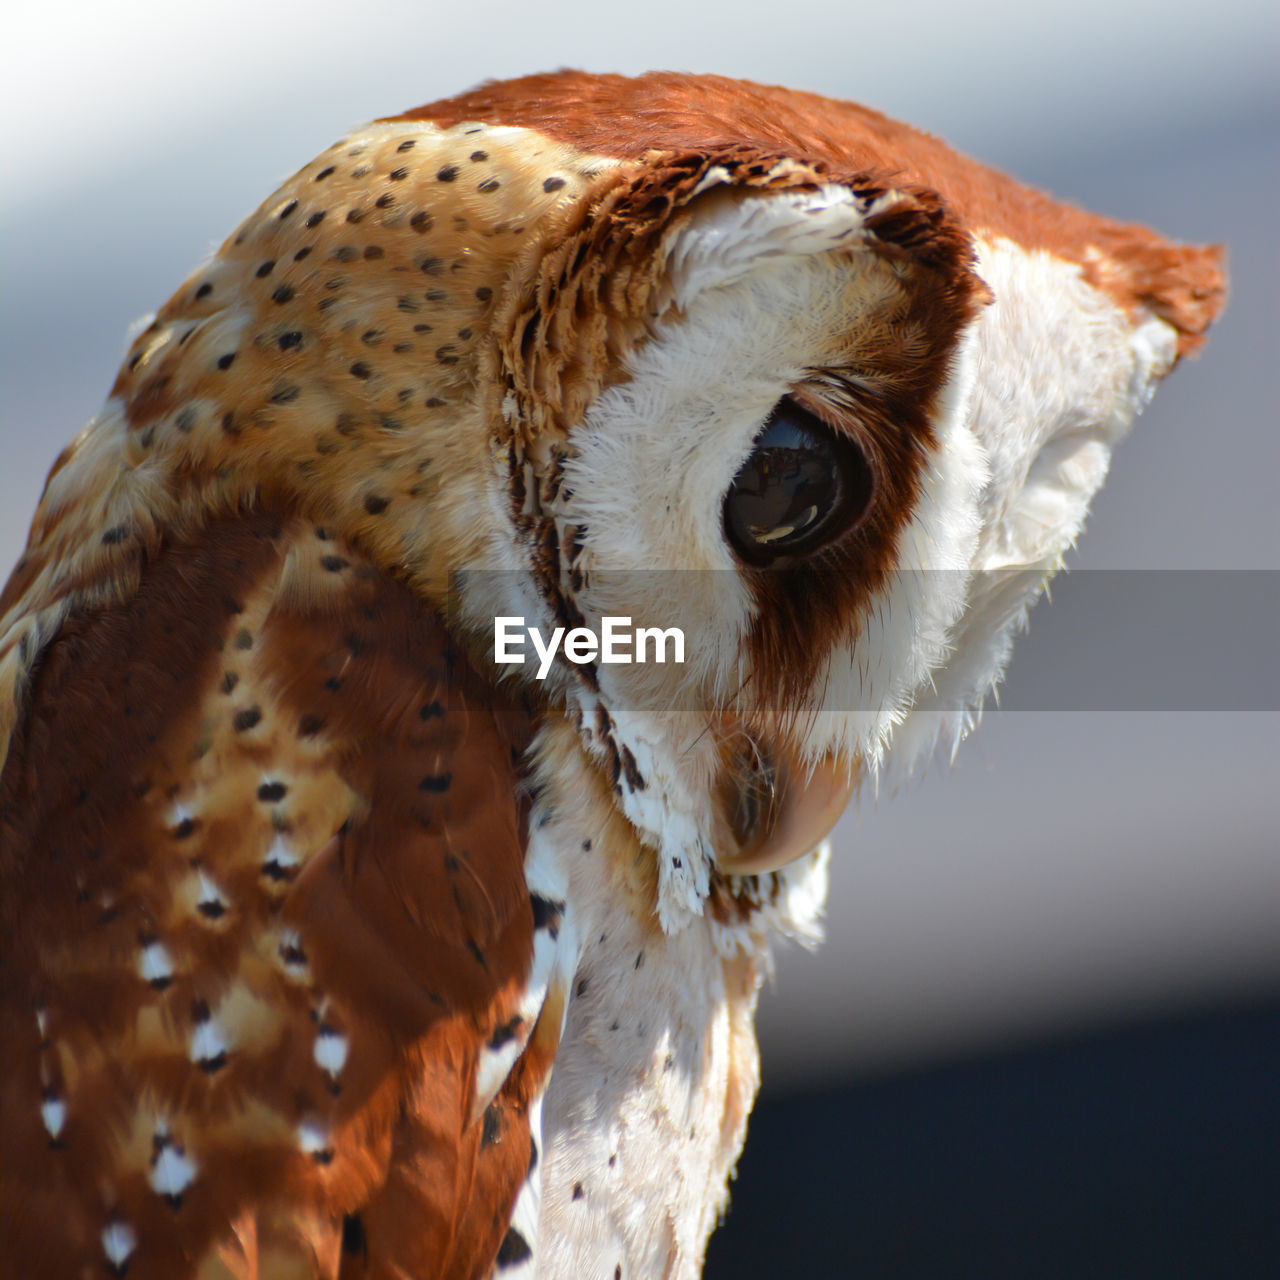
(762, 288)
(765, 289)
(1047, 425)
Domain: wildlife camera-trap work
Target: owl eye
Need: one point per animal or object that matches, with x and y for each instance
(801, 488)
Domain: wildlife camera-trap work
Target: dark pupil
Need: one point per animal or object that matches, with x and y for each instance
(793, 493)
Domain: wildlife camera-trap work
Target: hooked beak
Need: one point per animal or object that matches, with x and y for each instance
(777, 809)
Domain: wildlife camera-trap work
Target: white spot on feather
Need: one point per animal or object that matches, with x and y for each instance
(280, 857)
(155, 964)
(330, 1051)
(209, 898)
(118, 1242)
(172, 1171)
(527, 1211)
(494, 1066)
(208, 1042)
(292, 956)
(313, 1137)
(53, 1111)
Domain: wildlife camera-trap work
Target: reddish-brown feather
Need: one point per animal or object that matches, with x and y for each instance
(625, 118)
(340, 726)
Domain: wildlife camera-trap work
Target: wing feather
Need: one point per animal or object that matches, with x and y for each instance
(262, 852)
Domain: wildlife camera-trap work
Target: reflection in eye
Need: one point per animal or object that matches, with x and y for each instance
(802, 487)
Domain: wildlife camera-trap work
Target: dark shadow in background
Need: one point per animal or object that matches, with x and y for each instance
(1145, 1153)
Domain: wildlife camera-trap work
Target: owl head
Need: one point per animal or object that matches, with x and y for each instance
(770, 369)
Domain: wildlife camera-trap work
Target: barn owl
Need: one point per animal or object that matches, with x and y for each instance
(337, 941)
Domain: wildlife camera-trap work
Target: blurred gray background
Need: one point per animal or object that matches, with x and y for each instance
(1073, 869)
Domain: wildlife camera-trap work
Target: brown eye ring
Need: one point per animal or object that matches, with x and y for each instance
(803, 487)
